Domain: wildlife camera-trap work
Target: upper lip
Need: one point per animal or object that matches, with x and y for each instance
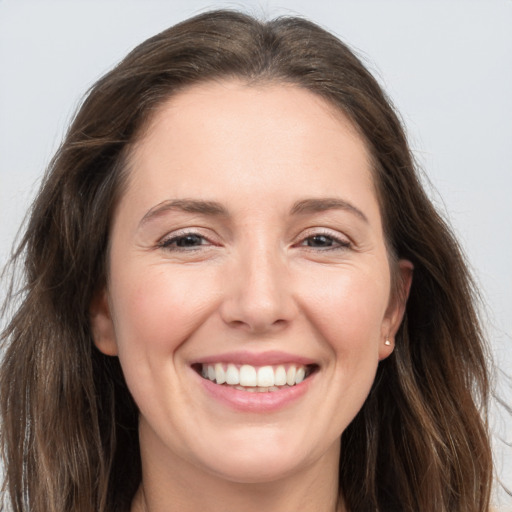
(272, 357)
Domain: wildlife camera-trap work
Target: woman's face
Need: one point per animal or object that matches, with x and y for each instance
(248, 247)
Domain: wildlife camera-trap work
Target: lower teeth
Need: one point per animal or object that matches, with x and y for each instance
(259, 389)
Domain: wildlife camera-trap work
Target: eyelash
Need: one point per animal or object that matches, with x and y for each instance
(337, 243)
(170, 244)
(340, 244)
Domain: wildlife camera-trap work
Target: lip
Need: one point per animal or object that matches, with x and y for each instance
(269, 358)
(245, 401)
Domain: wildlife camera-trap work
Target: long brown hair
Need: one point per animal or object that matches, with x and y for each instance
(69, 424)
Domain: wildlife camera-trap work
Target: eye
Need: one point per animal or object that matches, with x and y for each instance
(184, 241)
(319, 241)
(325, 241)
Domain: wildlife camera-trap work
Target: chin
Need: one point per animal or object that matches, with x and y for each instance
(258, 458)
(256, 470)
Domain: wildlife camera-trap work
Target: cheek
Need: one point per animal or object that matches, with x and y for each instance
(348, 307)
(156, 309)
(156, 312)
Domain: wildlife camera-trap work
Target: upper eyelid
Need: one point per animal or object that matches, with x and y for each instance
(333, 233)
(341, 242)
(303, 235)
(182, 233)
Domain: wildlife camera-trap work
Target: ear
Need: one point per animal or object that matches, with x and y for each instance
(396, 308)
(102, 327)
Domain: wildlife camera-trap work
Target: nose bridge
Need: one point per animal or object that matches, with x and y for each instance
(259, 296)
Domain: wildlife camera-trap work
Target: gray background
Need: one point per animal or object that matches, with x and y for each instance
(447, 65)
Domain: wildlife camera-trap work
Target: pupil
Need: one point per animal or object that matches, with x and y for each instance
(320, 241)
(188, 241)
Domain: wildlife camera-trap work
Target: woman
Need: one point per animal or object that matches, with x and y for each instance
(238, 295)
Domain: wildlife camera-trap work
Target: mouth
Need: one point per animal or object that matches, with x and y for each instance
(255, 379)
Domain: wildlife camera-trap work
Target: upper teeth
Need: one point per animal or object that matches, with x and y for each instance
(252, 376)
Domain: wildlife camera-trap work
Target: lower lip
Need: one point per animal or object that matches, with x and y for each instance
(247, 401)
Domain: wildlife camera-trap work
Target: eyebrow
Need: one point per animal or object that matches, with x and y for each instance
(324, 204)
(213, 208)
(185, 205)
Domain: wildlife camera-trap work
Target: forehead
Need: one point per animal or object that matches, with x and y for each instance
(249, 96)
(266, 137)
(222, 98)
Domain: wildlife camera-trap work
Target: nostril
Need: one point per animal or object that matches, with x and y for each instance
(237, 323)
(256, 325)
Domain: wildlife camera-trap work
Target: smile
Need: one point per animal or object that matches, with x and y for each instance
(256, 378)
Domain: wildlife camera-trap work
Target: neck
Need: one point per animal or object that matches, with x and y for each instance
(170, 485)
(247, 498)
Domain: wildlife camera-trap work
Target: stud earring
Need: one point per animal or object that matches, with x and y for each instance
(387, 342)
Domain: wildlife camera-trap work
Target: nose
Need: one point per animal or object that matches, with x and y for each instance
(258, 294)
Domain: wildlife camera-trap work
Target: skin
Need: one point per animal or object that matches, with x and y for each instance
(256, 277)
